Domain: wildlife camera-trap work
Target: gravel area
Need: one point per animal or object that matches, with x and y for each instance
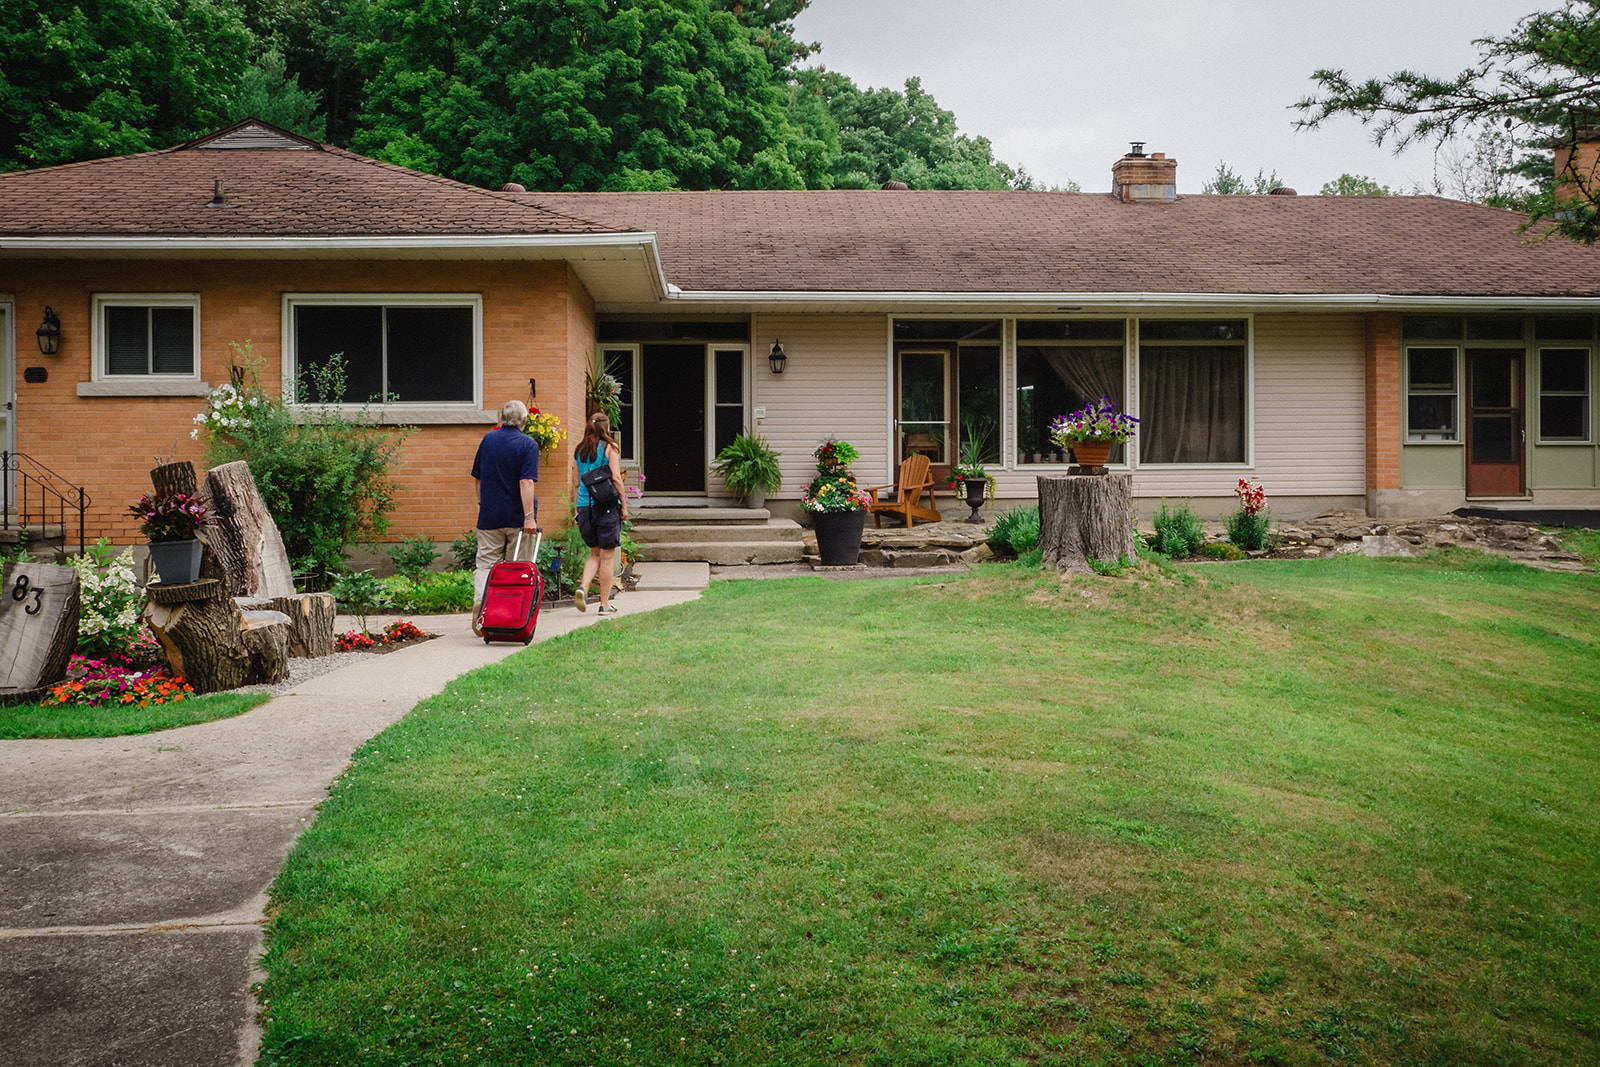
(303, 670)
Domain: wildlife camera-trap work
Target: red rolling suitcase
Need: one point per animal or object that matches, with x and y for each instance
(511, 599)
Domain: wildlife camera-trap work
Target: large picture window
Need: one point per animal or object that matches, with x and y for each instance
(395, 352)
(1062, 366)
(148, 337)
(1193, 390)
(1564, 394)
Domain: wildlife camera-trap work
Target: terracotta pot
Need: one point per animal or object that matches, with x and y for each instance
(839, 536)
(1092, 453)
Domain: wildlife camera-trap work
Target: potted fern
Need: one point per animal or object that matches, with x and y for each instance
(748, 466)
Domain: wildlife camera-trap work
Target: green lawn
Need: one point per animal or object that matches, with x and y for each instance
(1283, 813)
(115, 720)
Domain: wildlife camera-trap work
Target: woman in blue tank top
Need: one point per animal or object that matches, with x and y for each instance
(600, 528)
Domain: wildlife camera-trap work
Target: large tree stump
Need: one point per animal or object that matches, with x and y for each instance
(39, 609)
(241, 532)
(310, 618)
(1085, 517)
(209, 641)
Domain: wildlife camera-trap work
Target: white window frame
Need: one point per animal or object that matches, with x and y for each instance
(630, 432)
(745, 422)
(1418, 437)
(99, 338)
(1135, 459)
(417, 411)
(1588, 392)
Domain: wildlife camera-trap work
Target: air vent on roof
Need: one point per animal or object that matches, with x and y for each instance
(253, 136)
(896, 185)
(511, 187)
(1282, 190)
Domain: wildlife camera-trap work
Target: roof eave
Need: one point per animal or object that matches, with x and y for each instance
(1091, 302)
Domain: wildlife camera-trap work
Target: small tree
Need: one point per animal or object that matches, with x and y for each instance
(328, 481)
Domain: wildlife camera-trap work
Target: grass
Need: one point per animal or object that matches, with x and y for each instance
(52, 720)
(1585, 543)
(1336, 811)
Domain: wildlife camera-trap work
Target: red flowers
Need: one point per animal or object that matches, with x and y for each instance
(1252, 498)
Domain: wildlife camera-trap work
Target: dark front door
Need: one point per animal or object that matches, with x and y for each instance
(1494, 422)
(672, 412)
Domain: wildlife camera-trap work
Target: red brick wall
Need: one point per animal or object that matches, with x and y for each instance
(108, 444)
(1383, 400)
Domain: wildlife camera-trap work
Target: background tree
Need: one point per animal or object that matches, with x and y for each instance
(889, 135)
(1226, 182)
(1354, 185)
(137, 75)
(1540, 83)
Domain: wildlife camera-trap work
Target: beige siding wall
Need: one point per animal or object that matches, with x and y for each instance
(1309, 430)
(836, 383)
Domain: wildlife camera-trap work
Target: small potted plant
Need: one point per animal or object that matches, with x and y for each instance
(748, 466)
(1092, 431)
(171, 521)
(969, 473)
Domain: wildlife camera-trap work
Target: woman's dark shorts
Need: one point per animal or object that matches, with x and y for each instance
(600, 529)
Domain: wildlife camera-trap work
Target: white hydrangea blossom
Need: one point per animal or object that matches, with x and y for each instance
(108, 599)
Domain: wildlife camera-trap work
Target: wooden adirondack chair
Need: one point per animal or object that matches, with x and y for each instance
(907, 502)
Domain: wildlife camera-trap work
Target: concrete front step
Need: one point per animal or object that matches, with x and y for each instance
(673, 532)
(722, 553)
(696, 516)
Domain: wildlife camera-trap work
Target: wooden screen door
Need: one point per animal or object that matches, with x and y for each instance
(1495, 438)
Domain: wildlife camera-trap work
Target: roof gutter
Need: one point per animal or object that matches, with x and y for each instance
(1091, 301)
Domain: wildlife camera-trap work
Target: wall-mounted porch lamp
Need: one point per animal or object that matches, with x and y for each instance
(49, 333)
(777, 358)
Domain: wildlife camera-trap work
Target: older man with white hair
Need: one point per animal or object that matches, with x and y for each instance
(506, 470)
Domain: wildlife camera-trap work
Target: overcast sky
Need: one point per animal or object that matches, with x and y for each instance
(1062, 86)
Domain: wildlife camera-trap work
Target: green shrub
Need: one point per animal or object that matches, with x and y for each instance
(449, 593)
(1179, 531)
(1018, 529)
(1249, 531)
(1222, 550)
(413, 556)
(464, 550)
(328, 481)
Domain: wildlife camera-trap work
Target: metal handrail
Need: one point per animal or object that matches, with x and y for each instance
(34, 478)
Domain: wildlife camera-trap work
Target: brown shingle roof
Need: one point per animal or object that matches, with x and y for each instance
(289, 187)
(1004, 242)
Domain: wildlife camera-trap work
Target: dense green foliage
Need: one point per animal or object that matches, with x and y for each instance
(327, 478)
(1541, 81)
(553, 94)
(1340, 811)
(889, 135)
(113, 77)
(1354, 185)
(1017, 529)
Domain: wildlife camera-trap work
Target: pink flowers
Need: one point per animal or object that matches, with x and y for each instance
(1252, 498)
(168, 516)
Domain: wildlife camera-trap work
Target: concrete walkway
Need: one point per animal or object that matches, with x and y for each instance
(134, 870)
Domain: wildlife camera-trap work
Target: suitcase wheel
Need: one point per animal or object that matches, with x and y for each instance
(488, 640)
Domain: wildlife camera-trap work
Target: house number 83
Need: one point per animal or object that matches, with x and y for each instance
(20, 591)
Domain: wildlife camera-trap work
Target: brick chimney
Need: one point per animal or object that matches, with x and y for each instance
(1138, 177)
(1577, 164)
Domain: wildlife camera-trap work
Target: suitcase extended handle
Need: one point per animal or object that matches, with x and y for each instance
(516, 553)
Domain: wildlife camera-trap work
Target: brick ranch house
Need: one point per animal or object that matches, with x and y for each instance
(1406, 355)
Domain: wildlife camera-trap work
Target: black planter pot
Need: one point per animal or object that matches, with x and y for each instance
(977, 489)
(177, 562)
(839, 536)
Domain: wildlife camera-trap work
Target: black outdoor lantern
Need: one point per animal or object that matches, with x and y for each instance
(777, 358)
(49, 333)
